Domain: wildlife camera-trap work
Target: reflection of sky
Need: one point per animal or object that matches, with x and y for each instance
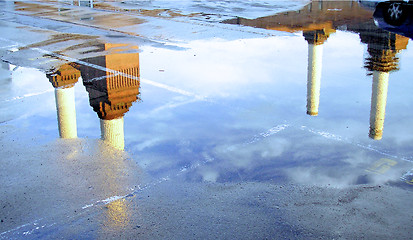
(261, 93)
(299, 156)
(222, 124)
(220, 68)
(249, 86)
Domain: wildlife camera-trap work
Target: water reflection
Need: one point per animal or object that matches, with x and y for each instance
(117, 214)
(382, 48)
(317, 21)
(115, 175)
(112, 90)
(317, 15)
(64, 81)
(112, 82)
(315, 41)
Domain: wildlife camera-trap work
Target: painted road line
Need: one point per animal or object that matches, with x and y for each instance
(345, 140)
(381, 166)
(114, 72)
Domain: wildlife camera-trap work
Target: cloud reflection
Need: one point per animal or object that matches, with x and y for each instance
(300, 157)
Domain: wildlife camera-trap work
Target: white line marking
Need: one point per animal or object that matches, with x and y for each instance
(114, 72)
(408, 173)
(88, 206)
(24, 225)
(345, 140)
(171, 105)
(28, 95)
(267, 133)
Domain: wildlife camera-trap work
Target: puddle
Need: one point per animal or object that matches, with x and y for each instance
(123, 111)
(110, 74)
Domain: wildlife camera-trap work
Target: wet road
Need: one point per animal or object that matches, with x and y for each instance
(203, 120)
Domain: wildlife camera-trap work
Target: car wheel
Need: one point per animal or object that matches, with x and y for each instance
(395, 13)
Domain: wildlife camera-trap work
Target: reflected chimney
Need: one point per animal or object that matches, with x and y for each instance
(112, 132)
(382, 48)
(315, 41)
(378, 104)
(112, 91)
(380, 63)
(66, 112)
(315, 55)
(63, 81)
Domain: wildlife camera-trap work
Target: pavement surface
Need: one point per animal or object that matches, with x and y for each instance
(203, 120)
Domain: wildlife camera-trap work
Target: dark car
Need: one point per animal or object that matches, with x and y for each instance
(395, 16)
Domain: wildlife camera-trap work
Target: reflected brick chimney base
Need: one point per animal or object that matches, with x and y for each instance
(112, 132)
(66, 112)
(378, 104)
(315, 55)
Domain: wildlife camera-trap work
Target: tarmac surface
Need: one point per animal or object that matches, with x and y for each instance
(203, 120)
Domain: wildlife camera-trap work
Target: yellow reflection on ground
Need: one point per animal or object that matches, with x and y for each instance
(112, 184)
(381, 166)
(117, 214)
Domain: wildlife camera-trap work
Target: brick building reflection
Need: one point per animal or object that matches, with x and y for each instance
(112, 82)
(63, 81)
(318, 20)
(112, 89)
